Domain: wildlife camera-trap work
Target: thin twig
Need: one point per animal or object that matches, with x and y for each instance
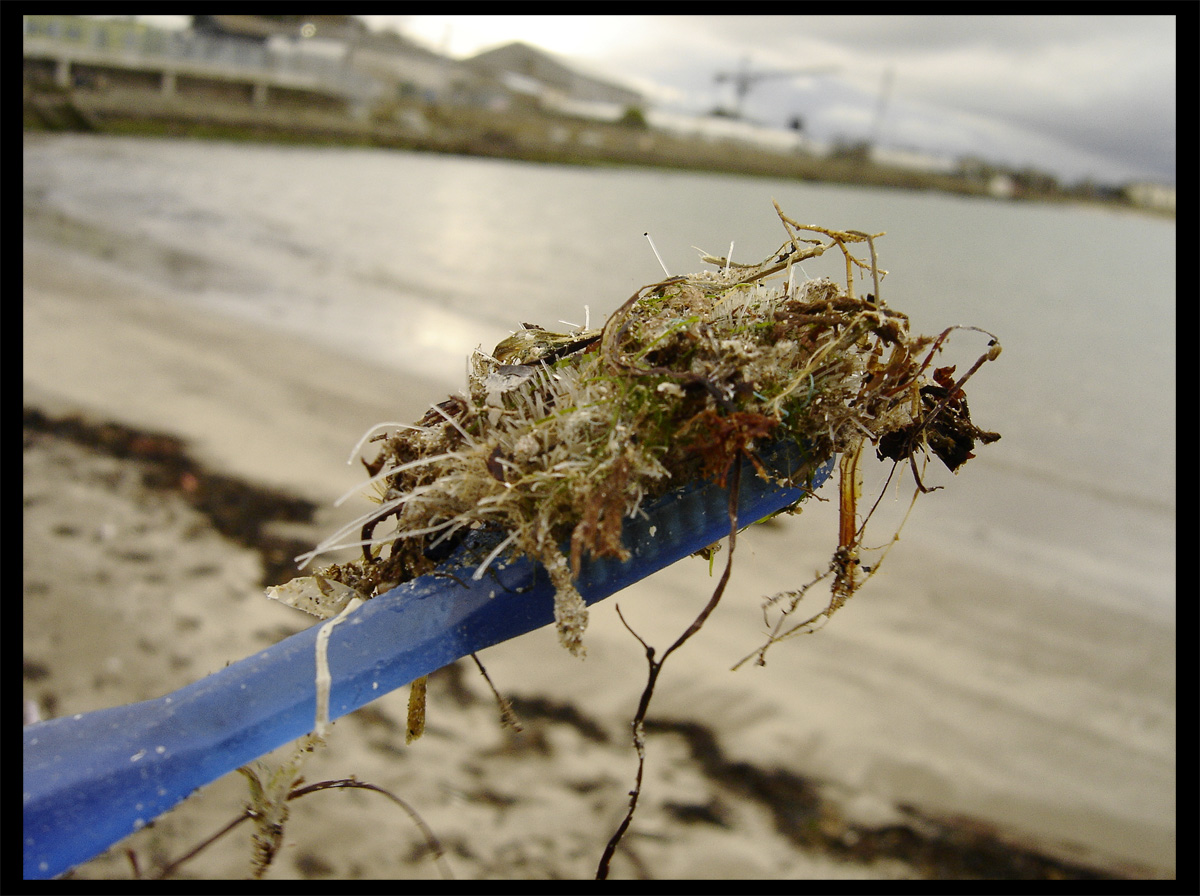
(171, 867)
(508, 716)
(639, 741)
(431, 839)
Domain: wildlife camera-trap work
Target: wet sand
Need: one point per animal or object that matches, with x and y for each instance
(970, 710)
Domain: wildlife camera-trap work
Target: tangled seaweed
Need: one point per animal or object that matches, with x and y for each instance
(559, 437)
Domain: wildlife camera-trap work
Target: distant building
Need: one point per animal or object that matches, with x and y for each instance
(260, 29)
(529, 71)
(912, 159)
(1002, 185)
(263, 60)
(318, 44)
(1148, 195)
(401, 69)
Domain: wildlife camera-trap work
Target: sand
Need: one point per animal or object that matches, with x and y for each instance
(973, 710)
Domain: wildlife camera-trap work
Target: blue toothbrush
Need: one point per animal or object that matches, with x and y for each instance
(92, 779)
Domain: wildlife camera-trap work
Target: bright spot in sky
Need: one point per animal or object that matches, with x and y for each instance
(467, 35)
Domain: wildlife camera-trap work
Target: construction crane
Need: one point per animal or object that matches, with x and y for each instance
(744, 78)
(885, 90)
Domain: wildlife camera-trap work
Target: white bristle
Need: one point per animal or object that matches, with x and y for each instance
(656, 255)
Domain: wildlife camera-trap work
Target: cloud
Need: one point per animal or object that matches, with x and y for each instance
(1083, 94)
(1077, 95)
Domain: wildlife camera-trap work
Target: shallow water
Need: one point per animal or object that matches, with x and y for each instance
(413, 260)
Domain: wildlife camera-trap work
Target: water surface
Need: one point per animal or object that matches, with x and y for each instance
(413, 260)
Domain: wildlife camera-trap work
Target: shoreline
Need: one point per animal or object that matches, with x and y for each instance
(922, 693)
(529, 137)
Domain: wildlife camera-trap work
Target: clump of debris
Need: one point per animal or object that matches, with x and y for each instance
(561, 436)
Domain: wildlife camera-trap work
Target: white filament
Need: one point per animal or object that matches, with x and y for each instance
(324, 679)
(487, 561)
(374, 429)
(384, 474)
(656, 255)
(466, 435)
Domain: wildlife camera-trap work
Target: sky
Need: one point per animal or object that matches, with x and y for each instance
(1082, 97)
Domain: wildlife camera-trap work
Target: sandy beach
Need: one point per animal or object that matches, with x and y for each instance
(948, 716)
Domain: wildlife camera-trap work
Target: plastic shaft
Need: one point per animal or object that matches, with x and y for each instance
(92, 779)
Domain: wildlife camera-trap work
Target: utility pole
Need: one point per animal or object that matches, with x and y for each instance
(885, 90)
(744, 78)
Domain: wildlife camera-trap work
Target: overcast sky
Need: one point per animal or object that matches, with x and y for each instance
(1076, 95)
(1079, 96)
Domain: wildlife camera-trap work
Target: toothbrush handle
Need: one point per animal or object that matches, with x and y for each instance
(92, 779)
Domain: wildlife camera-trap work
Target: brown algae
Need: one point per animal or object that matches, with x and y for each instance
(559, 437)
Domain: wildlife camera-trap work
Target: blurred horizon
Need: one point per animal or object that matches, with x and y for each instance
(1020, 91)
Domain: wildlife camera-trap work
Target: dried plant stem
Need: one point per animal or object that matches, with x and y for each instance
(171, 867)
(508, 716)
(431, 839)
(639, 734)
